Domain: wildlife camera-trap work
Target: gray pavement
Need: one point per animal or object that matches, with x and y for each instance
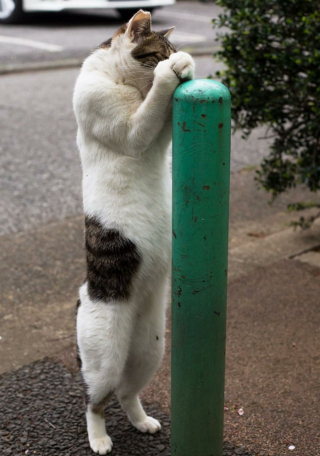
(272, 346)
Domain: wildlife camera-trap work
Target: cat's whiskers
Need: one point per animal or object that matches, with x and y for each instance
(145, 71)
(183, 44)
(149, 83)
(145, 76)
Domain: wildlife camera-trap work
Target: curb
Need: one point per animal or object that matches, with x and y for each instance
(40, 66)
(61, 64)
(285, 244)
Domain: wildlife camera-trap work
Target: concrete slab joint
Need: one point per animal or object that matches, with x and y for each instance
(288, 243)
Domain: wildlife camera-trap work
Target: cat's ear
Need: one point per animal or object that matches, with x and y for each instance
(139, 24)
(166, 32)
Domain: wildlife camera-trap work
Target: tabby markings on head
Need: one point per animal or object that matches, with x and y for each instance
(112, 262)
(154, 48)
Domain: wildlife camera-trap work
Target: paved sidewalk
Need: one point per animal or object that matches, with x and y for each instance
(273, 361)
(273, 371)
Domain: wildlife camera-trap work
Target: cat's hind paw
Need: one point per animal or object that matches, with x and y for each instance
(149, 424)
(102, 445)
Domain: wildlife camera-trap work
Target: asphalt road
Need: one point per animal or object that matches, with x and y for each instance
(53, 36)
(40, 175)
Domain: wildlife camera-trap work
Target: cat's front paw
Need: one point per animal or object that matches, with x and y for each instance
(182, 64)
(164, 76)
(102, 445)
(149, 424)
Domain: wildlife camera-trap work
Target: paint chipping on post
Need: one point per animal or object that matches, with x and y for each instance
(184, 127)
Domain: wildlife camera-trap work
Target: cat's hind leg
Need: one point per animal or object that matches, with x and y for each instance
(99, 440)
(145, 355)
(103, 335)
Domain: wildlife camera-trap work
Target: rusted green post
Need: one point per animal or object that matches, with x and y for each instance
(201, 173)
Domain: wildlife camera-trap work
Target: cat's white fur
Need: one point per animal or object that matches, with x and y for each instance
(124, 129)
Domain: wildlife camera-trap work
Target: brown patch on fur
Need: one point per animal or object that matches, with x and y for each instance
(99, 408)
(112, 262)
(106, 44)
(79, 361)
(86, 394)
(120, 31)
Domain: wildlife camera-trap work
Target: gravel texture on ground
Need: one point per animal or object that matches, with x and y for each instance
(41, 412)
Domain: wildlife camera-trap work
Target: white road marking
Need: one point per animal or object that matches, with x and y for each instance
(188, 16)
(31, 43)
(187, 38)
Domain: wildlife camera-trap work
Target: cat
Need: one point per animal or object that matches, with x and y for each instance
(123, 103)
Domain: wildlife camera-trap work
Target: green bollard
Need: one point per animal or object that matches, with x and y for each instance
(200, 176)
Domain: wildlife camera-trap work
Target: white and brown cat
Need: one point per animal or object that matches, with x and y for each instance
(123, 102)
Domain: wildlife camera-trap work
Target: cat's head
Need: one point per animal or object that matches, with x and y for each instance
(139, 44)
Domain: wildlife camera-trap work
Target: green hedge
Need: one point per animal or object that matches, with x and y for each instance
(272, 51)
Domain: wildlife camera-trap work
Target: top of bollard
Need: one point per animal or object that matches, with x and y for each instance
(202, 90)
